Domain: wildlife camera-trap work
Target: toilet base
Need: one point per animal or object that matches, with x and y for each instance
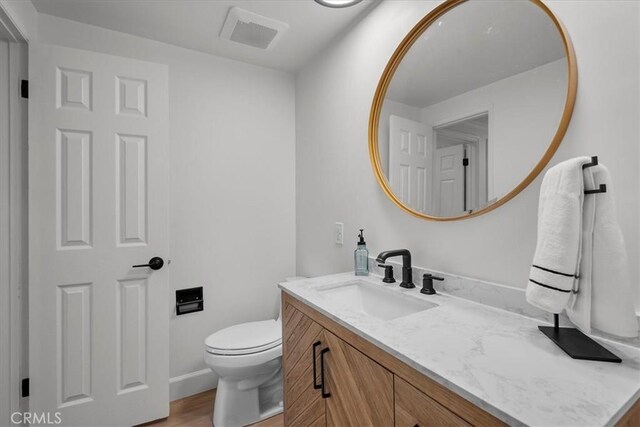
(239, 404)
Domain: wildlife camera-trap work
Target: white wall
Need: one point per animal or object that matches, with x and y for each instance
(525, 110)
(232, 183)
(335, 182)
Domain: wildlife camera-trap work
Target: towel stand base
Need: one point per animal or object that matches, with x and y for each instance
(576, 344)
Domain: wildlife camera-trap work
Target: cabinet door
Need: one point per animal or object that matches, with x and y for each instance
(414, 408)
(361, 391)
(303, 404)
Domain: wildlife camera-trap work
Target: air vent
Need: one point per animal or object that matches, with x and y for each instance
(251, 29)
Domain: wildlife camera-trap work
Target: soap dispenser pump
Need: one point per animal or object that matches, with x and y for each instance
(361, 256)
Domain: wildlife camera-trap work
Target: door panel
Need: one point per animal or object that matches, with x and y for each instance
(98, 161)
(131, 185)
(74, 188)
(361, 390)
(132, 332)
(303, 403)
(74, 332)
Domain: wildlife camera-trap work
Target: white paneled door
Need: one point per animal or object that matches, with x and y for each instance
(98, 203)
(449, 181)
(410, 162)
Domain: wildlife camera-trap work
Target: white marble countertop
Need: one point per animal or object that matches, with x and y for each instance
(496, 359)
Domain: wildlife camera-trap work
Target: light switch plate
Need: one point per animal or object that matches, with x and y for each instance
(338, 233)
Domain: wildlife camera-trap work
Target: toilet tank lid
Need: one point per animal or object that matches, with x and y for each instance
(245, 336)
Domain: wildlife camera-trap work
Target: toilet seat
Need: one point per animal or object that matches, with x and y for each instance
(239, 361)
(245, 338)
(243, 352)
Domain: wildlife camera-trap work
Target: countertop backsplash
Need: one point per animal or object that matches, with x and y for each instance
(488, 293)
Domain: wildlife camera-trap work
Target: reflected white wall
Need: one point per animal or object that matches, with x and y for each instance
(524, 110)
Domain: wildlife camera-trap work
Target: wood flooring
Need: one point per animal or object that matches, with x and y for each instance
(197, 411)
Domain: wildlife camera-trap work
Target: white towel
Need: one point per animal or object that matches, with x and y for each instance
(556, 261)
(604, 300)
(579, 309)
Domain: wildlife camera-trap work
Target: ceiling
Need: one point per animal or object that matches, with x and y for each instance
(196, 24)
(473, 45)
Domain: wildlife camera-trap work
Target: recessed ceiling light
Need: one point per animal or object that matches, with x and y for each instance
(338, 3)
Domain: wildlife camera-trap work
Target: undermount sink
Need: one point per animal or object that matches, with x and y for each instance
(375, 300)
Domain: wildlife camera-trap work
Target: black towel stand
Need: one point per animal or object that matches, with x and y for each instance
(593, 162)
(571, 340)
(603, 187)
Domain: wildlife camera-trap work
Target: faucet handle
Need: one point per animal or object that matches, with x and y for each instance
(388, 273)
(427, 283)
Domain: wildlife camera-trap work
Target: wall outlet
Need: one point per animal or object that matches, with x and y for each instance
(338, 233)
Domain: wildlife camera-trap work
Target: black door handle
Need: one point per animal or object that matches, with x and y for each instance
(315, 376)
(155, 263)
(322, 353)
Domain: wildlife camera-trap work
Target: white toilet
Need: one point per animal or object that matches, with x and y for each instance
(248, 360)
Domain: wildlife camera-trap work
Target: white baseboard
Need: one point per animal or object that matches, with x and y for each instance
(192, 383)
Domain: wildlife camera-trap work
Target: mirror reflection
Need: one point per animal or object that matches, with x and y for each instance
(473, 106)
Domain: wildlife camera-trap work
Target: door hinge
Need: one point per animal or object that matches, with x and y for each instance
(465, 162)
(24, 89)
(24, 392)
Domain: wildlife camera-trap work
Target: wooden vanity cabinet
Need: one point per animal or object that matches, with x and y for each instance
(363, 385)
(361, 391)
(366, 385)
(414, 408)
(303, 402)
(353, 389)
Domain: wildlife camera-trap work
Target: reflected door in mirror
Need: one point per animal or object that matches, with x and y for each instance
(409, 162)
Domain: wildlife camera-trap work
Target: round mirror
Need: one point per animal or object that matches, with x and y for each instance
(471, 107)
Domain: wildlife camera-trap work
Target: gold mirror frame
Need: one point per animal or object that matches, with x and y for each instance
(389, 71)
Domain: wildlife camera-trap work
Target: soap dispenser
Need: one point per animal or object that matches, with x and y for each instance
(361, 256)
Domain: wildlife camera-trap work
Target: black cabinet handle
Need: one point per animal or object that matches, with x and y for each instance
(315, 376)
(155, 263)
(322, 353)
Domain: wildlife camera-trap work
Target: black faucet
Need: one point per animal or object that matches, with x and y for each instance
(407, 276)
